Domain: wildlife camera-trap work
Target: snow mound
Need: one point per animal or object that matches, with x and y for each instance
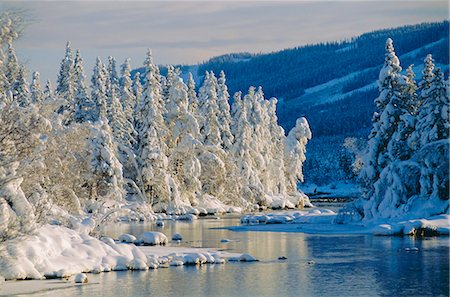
(152, 238)
(297, 217)
(177, 236)
(127, 238)
(81, 278)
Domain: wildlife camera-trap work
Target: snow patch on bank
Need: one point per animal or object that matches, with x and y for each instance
(321, 221)
(59, 252)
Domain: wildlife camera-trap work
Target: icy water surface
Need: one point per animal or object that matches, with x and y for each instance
(316, 265)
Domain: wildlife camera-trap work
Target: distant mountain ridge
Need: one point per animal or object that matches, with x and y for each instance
(302, 77)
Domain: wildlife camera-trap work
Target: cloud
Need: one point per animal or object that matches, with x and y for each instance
(186, 32)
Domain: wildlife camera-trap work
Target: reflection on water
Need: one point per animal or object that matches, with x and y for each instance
(316, 265)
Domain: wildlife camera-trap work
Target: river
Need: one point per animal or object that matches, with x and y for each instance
(316, 265)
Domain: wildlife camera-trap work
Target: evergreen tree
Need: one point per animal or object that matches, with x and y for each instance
(48, 93)
(385, 122)
(399, 145)
(192, 95)
(66, 82)
(20, 89)
(433, 120)
(224, 116)
(208, 110)
(85, 108)
(107, 181)
(128, 99)
(137, 91)
(157, 186)
(98, 90)
(35, 88)
(112, 81)
(184, 165)
(11, 68)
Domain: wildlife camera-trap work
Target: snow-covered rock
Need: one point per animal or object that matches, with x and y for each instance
(138, 264)
(177, 236)
(152, 238)
(247, 258)
(81, 278)
(127, 238)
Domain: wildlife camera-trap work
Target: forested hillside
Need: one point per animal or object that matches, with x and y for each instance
(332, 85)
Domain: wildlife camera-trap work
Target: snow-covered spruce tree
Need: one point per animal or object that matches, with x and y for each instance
(98, 89)
(172, 75)
(137, 92)
(218, 170)
(85, 108)
(184, 165)
(276, 171)
(11, 67)
(432, 136)
(386, 120)
(20, 91)
(192, 95)
(112, 81)
(128, 99)
(65, 85)
(156, 184)
(432, 122)
(251, 188)
(294, 154)
(224, 116)
(48, 91)
(399, 145)
(107, 170)
(208, 110)
(35, 89)
(124, 137)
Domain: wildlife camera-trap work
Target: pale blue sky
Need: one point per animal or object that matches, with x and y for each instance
(189, 32)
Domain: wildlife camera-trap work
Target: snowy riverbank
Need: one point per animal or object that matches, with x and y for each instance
(59, 252)
(321, 221)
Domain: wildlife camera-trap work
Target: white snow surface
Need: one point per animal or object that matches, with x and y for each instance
(56, 251)
(321, 221)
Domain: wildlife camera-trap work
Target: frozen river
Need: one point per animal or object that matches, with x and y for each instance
(316, 265)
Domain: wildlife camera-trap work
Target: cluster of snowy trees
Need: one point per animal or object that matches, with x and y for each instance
(151, 145)
(406, 167)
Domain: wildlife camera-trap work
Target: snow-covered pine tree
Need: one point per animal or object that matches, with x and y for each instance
(113, 80)
(65, 86)
(85, 108)
(192, 95)
(20, 91)
(208, 110)
(128, 98)
(432, 136)
(98, 89)
(11, 67)
(399, 145)
(184, 165)
(224, 116)
(35, 89)
(137, 92)
(251, 188)
(107, 181)
(295, 155)
(276, 170)
(156, 184)
(386, 120)
(48, 91)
